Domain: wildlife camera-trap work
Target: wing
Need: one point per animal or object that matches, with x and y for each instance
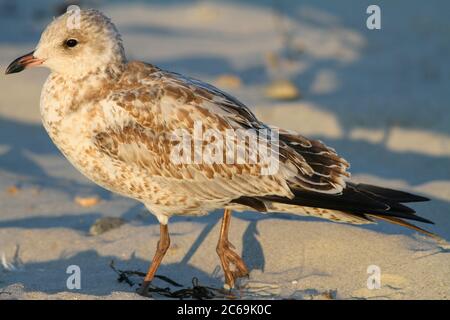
(328, 170)
(150, 104)
(149, 153)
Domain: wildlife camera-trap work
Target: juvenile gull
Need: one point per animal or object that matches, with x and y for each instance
(114, 120)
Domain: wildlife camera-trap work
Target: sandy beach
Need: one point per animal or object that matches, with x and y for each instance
(379, 97)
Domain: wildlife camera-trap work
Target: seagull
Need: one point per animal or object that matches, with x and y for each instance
(116, 121)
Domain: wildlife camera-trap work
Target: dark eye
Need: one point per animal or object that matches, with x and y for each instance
(71, 43)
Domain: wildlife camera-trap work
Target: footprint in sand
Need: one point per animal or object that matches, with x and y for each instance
(252, 289)
(391, 288)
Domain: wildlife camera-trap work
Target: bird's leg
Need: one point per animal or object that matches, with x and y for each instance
(161, 249)
(227, 256)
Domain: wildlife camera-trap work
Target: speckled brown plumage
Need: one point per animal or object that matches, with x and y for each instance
(116, 122)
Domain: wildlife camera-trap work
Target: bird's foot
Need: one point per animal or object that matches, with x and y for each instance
(232, 264)
(143, 289)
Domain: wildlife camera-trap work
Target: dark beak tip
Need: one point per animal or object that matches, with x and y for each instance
(8, 71)
(14, 67)
(18, 64)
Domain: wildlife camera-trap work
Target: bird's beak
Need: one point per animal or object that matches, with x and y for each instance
(23, 62)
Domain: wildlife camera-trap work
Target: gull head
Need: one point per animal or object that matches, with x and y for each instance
(76, 44)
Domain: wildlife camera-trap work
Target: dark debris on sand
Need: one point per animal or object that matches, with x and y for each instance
(197, 291)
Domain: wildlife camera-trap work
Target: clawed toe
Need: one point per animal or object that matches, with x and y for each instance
(232, 263)
(233, 266)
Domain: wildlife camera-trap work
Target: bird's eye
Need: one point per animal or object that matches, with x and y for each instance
(71, 43)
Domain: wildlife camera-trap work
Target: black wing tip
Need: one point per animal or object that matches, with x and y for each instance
(421, 199)
(360, 199)
(420, 219)
(391, 194)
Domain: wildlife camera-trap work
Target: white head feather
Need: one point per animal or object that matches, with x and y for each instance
(98, 45)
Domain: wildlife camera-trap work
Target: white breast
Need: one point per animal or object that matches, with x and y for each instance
(72, 129)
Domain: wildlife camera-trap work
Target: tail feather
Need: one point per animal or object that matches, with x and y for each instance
(406, 224)
(361, 200)
(352, 200)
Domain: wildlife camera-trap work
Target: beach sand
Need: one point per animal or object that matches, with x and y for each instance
(380, 98)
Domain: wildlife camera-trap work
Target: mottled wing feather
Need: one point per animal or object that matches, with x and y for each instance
(329, 169)
(149, 153)
(149, 104)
